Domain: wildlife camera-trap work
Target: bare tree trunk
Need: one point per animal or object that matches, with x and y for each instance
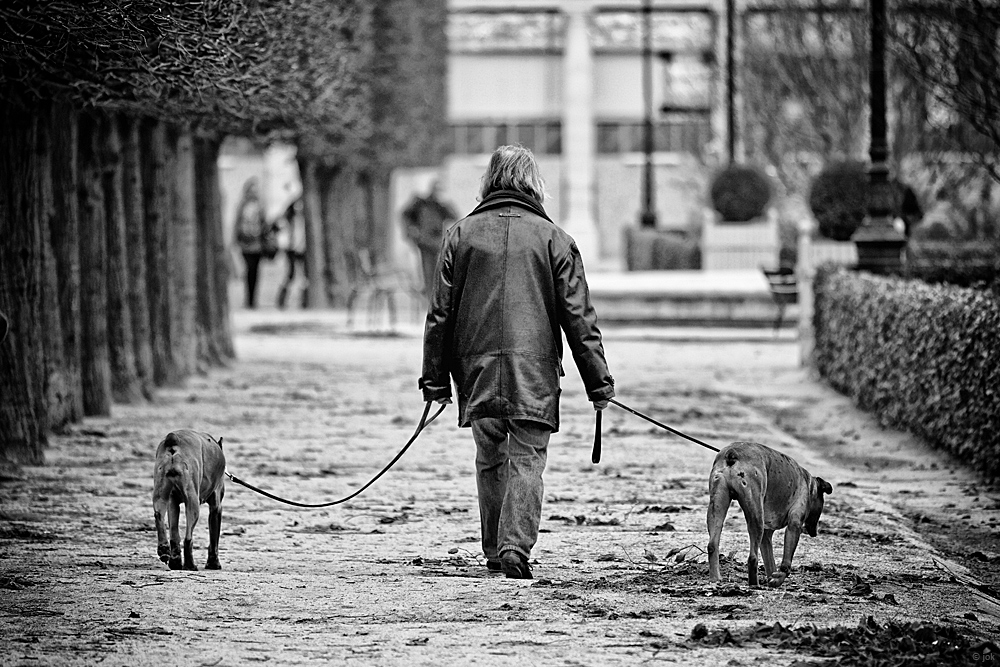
(22, 406)
(95, 359)
(125, 386)
(57, 388)
(208, 352)
(215, 335)
(379, 185)
(170, 319)
(364, 222)
(184, 265)
(329, 208)
(338, 231)
(156, 195)
(223, 262)
(315, 292)
(64, 228)
(135, 244)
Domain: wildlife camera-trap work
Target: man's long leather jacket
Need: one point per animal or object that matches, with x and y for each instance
(508, 279)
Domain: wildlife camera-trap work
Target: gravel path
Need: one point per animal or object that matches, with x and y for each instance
(396, 575)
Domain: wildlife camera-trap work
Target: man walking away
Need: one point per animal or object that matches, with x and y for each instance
(507, 284)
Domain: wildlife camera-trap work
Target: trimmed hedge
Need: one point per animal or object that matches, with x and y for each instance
(740, 193)
(924, 358)
(957, 263)
(839, 199)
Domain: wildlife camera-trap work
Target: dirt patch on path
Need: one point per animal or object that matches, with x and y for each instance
(396, 576)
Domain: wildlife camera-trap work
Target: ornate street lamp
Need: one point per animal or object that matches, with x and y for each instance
(879, 244)
(730, 80)
(648, 216)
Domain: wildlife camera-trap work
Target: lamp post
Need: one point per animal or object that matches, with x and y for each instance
(879, 244)
(648, 216)
(730, 80)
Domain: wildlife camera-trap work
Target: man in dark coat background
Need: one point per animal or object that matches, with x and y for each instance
(426, 219)
(508, 283)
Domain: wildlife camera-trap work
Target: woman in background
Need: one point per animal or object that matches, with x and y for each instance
(250, 231)
(294, 244)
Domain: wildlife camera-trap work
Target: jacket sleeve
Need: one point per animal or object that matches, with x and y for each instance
(435, 375)
(578, 320)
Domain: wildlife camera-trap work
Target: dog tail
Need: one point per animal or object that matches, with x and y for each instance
(171, 444)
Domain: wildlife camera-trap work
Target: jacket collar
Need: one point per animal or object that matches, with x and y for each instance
(510, 198)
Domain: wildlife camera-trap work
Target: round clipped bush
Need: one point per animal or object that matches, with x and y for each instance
(839, 199)
(740, 193)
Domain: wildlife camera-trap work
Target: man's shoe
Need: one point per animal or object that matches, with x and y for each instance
(494, 565)
(515, 566)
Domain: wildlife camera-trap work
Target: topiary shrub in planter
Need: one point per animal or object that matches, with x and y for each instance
(740, 193)
(839, 199)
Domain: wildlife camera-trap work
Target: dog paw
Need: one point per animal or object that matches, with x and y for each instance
(174, 563)
(213, 564)
(191, 566)
(165, 558)
(776, 580)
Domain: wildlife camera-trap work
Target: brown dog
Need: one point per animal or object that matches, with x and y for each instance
(774, 492)
(189, 469)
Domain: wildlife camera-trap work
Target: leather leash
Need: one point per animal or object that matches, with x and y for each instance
(424, 422)
(596, 456)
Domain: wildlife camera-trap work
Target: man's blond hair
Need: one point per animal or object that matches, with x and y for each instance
(513, 168)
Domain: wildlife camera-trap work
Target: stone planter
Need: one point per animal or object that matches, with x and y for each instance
(660, 250)
(823, 251)
(740, 245)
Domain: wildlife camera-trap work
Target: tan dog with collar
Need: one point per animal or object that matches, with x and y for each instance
(189, 469)
(774, 492)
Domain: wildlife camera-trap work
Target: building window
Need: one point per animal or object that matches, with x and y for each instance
(502, 31)
(541, 137)
(684, 133)
(476, 141)
(551, 142)
(688, 30)
(524, 134)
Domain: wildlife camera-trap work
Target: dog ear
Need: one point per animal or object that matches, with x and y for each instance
(220, 447)
(824, 486)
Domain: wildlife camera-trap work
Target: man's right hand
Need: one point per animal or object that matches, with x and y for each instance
(445, 400)
(600, 405)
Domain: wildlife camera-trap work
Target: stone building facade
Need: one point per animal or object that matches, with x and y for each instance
(565, 78)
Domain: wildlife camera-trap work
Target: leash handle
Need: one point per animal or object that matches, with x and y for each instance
(595, 457)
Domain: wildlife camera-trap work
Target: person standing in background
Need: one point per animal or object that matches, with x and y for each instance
(250, 231)
(293, 242)
(426, 219)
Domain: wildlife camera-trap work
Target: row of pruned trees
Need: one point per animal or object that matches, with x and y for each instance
(113, 269)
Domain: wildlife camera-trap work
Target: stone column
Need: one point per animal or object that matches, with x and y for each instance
(579, 144)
